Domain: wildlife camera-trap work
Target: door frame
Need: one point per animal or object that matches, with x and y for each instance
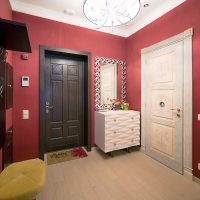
(186, 38)
(86, 56)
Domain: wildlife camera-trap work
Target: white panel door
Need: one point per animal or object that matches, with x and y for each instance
(164, 105)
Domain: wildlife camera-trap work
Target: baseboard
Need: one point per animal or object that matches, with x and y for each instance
(188, 173)
(195, 179)
(94, 148)
(45, 158)
(142, 148)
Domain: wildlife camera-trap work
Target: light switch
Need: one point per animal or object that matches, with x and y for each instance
(25, 114)
(199, 117)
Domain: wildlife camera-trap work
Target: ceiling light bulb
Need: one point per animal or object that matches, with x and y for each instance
(69, 12)
(146, 5)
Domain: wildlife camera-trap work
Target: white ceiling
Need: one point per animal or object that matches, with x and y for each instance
(71, 12)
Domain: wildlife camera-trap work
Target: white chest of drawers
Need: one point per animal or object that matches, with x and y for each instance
(117, 129)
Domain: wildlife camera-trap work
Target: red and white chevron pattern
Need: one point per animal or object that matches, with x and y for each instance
(97, 74)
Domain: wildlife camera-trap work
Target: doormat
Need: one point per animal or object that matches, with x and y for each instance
(65, 155)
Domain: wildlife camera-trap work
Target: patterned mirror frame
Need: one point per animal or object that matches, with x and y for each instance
(98, 61)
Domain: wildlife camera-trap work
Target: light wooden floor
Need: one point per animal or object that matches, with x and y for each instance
(132, 176)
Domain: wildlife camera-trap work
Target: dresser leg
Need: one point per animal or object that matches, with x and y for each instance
(110, 154)
(127, 150)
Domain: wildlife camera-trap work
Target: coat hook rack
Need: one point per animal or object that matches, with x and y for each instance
(14, 37)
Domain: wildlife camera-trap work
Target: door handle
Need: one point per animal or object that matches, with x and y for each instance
(178, 112)
(177, 109)
(48, 107)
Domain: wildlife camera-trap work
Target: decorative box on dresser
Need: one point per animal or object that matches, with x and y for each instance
(116, 130)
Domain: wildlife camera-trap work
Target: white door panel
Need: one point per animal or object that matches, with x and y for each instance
(161, 103)
(163, 139)
(164, 78)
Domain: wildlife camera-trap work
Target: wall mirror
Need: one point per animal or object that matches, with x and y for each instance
(110, 82)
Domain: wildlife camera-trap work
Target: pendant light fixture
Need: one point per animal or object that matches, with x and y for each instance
(110, 13)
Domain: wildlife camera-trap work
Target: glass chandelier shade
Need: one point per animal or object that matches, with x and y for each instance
(110, 13)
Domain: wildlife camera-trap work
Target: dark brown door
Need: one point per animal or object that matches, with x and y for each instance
(9, 86)
(2, 102)
(64, 103)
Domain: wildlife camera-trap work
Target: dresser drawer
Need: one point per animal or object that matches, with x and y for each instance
(134, 132)
(116, 130)
(122, 126)
(121, 144)
(121, 133)
(123, 121)
(116, 144)
(122, 118)
(134, 142)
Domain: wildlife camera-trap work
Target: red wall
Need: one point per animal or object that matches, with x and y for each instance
(47, 32)
(185, 16)
(51, 33)
(6, 13)
(5, 9)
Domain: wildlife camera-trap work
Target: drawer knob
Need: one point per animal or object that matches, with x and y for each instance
(132, 118)
(115, 144)
(115, 132)
(115, 120)
(132, 129)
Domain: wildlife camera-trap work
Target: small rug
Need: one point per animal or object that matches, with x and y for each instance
(65, 155)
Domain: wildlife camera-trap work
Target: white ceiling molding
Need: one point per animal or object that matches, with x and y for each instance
(55, 15)
(153, 15)
(156, 9)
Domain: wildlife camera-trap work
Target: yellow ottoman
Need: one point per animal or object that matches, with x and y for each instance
(22, 180)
